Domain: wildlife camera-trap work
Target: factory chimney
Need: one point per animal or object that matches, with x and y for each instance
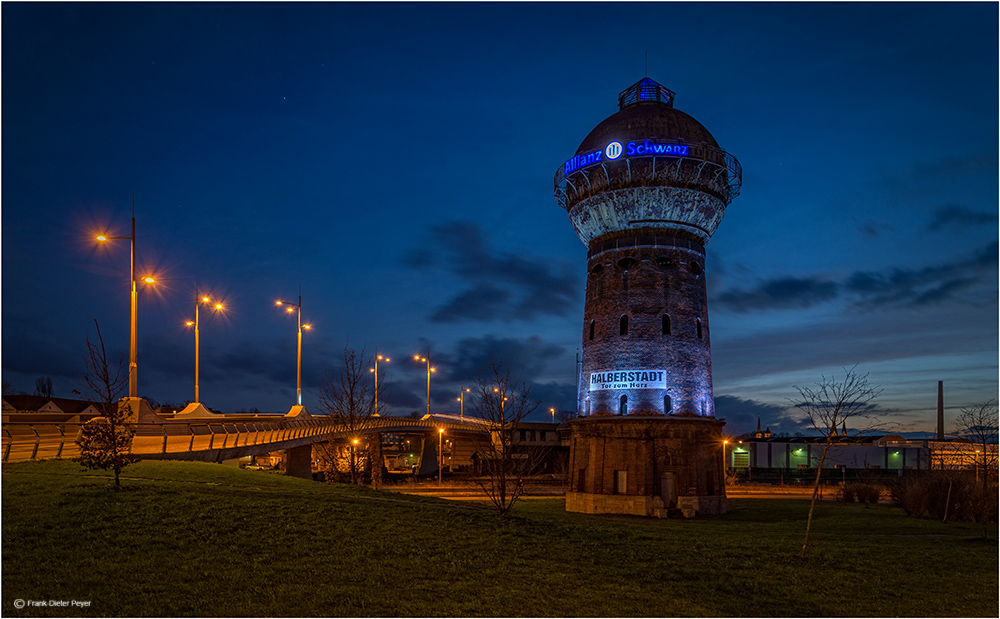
(940, 425)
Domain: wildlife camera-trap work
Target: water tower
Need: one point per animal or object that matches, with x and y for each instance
(645, 191)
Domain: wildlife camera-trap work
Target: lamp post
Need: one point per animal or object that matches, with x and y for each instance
(502, 400)
(378, 358)
(724, 443)
(427, 360)
(354, 462)
(198, 301)
(440, 434)
(133, 379)
(461, 398)
(553, 411)
(298, 369)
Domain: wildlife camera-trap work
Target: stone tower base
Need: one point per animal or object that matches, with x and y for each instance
(646, 466)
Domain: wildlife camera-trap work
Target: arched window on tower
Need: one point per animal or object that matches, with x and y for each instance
(587, 406)
(591, 329)
(623, 405)
(698, 323)
(668, 404)
(666, 324)
(623, 325)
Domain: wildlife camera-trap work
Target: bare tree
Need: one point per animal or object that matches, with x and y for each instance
(43, 386)
(348, 395)
(565, 416)
(978, 425)
(105, 442)
(832, 403)
(502, 401)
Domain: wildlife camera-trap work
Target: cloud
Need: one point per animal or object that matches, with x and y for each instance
(477, 303)
(959, 217)
(928, 286)
(741, 416)
(459, 367)
(530, 355)
(971, 280)
(874, 229)
(779, 293)
(498, 285)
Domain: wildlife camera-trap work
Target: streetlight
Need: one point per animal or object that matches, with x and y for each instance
(724, 443)
(553, 411)
(297, 307)
(461, 398)
(198, 301)
(375, 371)
(354, 465)
(427, 360)
(133, 379)
(502, 400)
(440, 434)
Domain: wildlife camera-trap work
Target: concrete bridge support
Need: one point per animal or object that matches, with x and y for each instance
(298, 461)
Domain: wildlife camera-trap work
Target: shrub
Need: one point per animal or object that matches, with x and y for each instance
(860, 491)
(847, 493)
(946, 494)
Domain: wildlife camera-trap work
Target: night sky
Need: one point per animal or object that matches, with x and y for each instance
(396, 162)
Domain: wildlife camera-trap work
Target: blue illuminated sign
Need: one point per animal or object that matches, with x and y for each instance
(614, 150)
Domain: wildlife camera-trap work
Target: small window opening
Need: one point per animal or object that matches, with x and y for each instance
(666, 324)
(626, 263)
(623, 325)
(591, 329)
(623, 405)
(621, 482)
(698, 324)
(668, 404)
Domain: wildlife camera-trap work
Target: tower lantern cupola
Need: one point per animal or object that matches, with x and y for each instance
(643, 91)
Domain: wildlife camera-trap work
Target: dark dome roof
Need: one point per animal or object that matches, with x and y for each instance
(647, 120)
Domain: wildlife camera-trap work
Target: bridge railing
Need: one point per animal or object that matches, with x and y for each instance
(38, 441)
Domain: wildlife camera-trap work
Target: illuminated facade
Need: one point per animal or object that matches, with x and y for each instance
(645, 191)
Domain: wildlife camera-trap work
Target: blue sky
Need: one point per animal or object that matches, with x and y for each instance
(396, 161)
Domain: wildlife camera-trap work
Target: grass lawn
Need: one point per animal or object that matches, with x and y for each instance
(194, 539)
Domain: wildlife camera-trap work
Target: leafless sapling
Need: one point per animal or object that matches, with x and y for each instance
(978, 425)
(106, 442)
(348, 394)
(502, 401)
(832, 403)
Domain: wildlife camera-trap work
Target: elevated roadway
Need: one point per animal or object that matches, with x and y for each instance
(210, 440)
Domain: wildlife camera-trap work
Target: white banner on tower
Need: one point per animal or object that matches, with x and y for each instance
(628, 379)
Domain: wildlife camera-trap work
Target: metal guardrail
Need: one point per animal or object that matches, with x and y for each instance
(36, 441)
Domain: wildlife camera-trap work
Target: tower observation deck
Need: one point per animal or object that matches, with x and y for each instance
(645, 191)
